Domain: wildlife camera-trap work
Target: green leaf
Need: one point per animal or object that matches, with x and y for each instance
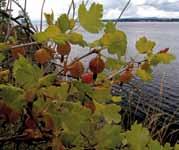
(56, 93)
(74, 117)
(109, 111)
(154, 145)
(110, 27)
(163, 58)
(109, 137)
(83, 88)
(138, 137)
(26, 74)
(11, 95)
(144, 75)
(113, 64)
(90, 19)
(2, 57)
(144, 45)
(47, 80)
(63, 23)
(3, 46)
(116, 99)
(51, 33)
(49, 18)
(102, 94)
(76, 38)
(176, 147)
(115, 42)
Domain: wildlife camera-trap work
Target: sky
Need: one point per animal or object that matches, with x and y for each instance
(112, 8)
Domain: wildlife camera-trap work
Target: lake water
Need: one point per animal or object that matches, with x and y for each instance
(162, 94)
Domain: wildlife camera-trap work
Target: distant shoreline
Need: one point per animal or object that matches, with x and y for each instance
(143, 20)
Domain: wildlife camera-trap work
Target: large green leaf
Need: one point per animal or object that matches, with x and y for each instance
(138, 137)
(108, 137)
(11, 95)
(90, 19)
(115, 42)
(26, 74)
(144, 45)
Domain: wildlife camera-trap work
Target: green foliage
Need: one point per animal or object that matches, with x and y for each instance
(144, 45)
(49, 18)
(63, 23)
(164, 58)
(115, 42)
(11, 95)
(144, 75)
(76, 38)
(109, 137)
(109, 111)
(90, 19)
(138, 137)
(81, 115)
(26, 74)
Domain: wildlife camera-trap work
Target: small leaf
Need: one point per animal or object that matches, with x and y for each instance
(2, 57)
(109, 111)
(11, 95)
(102, 94)
(76, 38)
(3, 46)
(47, 80)
(115, 42)
(110, 27)
(26, 74)
(116, 98)
(164, 58)
(144, 75)
(90, 19)
(109, 137)
(113, 64)
(49, 18)
(144, 45)
(63, 23)
(138, 137)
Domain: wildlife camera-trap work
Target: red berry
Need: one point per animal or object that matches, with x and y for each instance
(64, 49)
(87, 77)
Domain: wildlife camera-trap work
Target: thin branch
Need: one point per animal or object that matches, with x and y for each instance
(41, 17)
(16, 21)
(123, 10)
(27, 19)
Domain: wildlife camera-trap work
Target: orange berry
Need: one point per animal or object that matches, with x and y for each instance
(76, 69)
(97, 65)
(17, 51)
(42, 56)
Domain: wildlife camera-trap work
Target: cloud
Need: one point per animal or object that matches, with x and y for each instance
(112, 8)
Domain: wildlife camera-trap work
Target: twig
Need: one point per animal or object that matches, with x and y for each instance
(123, 10)
(25, 45)
(41, 17)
